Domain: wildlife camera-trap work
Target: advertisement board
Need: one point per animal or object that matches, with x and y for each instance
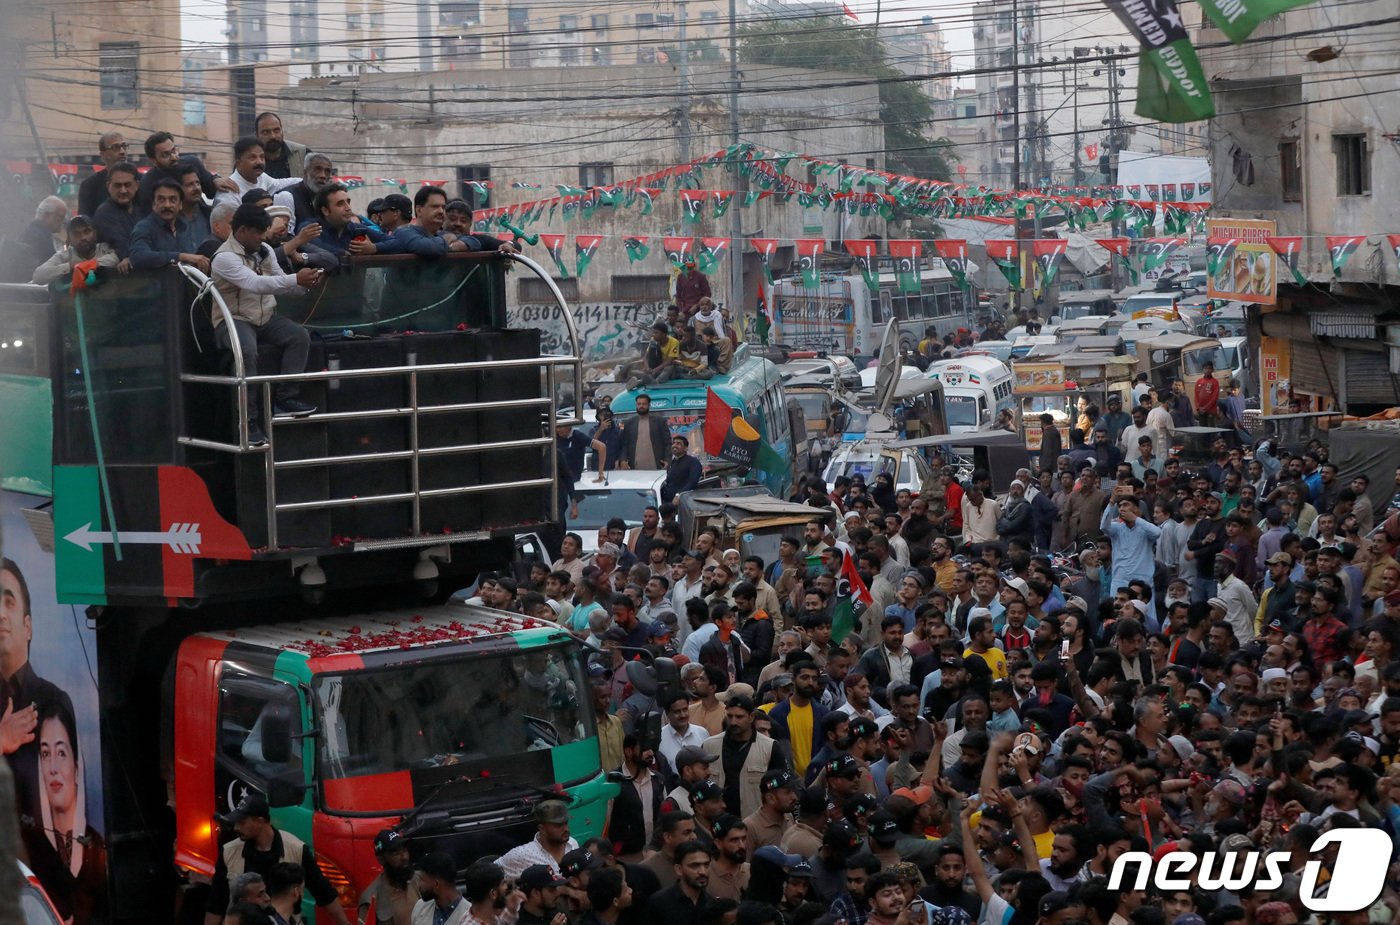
(1246, 268)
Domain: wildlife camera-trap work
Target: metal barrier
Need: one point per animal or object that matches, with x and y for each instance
(262, 387)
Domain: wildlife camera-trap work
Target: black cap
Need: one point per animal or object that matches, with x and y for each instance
(690, 755)
(387, 840)
(862, 727)
(706, 790)
(375, 206)
(841, 836)
(800, 871)
(862, 804)
(843, 765)
(777, 780)
(400, 203)
(811, 802)
(883, 828)
(253, 804)
(79, 221)
(538, 877)
(1054, 901)
(438, 864)
(577, 861)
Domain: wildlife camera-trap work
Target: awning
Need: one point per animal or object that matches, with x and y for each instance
(1357, 323)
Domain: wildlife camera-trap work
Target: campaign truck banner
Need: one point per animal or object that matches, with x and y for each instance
(1245, 267)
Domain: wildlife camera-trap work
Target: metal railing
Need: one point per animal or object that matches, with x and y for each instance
(262, 387)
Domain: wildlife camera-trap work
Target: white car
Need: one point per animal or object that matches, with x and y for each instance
(625, 493)
(870, 457)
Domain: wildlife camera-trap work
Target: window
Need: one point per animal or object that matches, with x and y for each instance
(1353, 165)
(469, 172)
(522, 54)
(352, 21)
(459, 13)
(1290, 170)
(119, 66)
(709, 17)
(599, 22)
(250, 709)
(665, 19)
(568, 23)
(519, 19)
(645, 20)
(595, 175)
(534, 291)
(376, 20)
(459, 47)
(655, 288)
(602, 55)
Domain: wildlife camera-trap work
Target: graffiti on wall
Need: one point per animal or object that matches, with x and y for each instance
(609, 330)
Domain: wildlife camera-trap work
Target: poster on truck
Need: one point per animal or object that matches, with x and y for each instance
(50, 727)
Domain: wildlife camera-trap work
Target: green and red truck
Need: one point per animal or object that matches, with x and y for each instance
(187, 617)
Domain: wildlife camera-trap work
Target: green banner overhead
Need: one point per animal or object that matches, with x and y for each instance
(1171, 84)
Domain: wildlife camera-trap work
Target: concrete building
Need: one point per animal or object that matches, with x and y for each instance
(1068, 86)
(67, 67)
(462, 126)
(1302, 138)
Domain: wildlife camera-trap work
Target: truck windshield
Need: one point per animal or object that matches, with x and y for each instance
(961, 410)
(598, 507)
(448, 711)
(1222, 358)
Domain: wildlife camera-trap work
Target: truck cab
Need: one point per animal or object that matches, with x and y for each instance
(222, 617)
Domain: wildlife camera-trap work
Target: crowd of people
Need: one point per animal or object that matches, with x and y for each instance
(1208, 664)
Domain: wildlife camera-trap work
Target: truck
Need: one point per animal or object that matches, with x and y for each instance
(201, 617)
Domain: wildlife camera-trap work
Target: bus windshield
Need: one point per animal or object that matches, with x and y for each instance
(961, 410)
(448, 711)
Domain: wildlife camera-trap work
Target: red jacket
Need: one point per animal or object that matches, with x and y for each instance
(1207, 395)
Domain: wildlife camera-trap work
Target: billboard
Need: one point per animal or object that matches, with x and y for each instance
(48, 655)
(1241, 264)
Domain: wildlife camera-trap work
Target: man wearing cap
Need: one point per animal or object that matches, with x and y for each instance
(744, 756)
(83, 247)
(770, 822)
(387, 897)
(551, 841)
(1240, 604)
(729, 873)
(540, 886)
(692, 765)
(258, 848)
(1277, 602)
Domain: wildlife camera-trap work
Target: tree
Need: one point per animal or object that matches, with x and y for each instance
(828, 43)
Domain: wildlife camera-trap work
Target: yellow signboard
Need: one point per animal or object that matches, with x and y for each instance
(1244, 267)
(1275, 360)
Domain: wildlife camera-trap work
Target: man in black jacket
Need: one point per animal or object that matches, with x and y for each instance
(92, 192)
(653, 448)
(1206, 540)
(168, 163)
(684, 902)
(627, 828)
(684, 472)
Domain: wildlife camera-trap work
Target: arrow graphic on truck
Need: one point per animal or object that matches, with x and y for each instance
(181, 538)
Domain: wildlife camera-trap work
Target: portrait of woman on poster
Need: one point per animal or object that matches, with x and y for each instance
(67, 855)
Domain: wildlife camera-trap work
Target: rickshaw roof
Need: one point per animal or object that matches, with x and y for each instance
(974, 438)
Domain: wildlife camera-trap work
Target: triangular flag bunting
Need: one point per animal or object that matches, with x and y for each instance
(1048, 252)
(637, 248)
(906, 254)
(1394, 240)
(1006, 254)
(677, 250)
(694, 203)
(709, 254)
(1219, 252)
(809, 252)
(866, 260)
(1341, 247)
(554, 243)
(585, 246)
(1290, 252)
(766, 247)
(1156, 251)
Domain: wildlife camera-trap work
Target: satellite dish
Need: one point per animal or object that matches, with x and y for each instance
(878, 423)
(887, 376)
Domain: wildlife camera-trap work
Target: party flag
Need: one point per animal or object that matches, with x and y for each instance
(906, 254)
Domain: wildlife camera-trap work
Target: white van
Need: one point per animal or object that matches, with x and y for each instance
(975, 390)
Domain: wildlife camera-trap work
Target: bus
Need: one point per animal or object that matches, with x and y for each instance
(210, 618)
(752, 387)
(975, 390)
(843, 317)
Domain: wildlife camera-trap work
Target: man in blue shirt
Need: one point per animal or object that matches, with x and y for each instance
(341, 234)
(684, 472)
(1134, 537)
(163, 237)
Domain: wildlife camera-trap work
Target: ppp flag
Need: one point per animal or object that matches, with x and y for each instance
(1171, 83)
(1290, 251)
(1341, 247)
(1218, 253)
(730, 437)
(954, 254)
(852, 598)
(1238, 18)
(808, 254)
(585, 246)
(1156, 251)
(906, 254)
(1006, 254)
(1394, 240)
(554, 243)
(1119, 249)
(766, 247)
(864, 252)
(711, 252)
(1048, 253)
(677, 250)
(637, 247)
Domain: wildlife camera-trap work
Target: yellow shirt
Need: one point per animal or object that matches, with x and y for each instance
(996, 660)
(671, 350)
(800, 735)
(1044, 843)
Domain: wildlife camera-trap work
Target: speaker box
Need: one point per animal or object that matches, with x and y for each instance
(456, 428)
(368, 436)
(514, 506)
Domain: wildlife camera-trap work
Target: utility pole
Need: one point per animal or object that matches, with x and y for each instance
(1111, 159)
(1016, 93)
(1074, 70)
(685, 88)
(736, 221)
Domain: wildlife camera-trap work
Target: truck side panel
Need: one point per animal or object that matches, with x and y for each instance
(61, 770)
